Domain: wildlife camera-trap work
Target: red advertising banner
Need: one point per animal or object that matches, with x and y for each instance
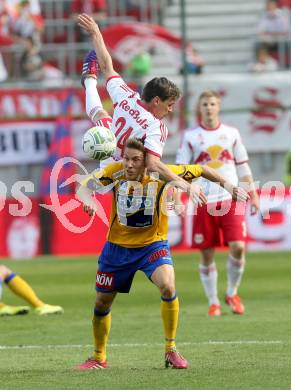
(20, 234)
(30, 104)
(70, 231)
(67, 241)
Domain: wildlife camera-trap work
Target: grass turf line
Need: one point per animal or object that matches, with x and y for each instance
(244, 353)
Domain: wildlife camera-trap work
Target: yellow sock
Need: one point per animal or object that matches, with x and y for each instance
(22, 288)
(170, 315)
(101, 329)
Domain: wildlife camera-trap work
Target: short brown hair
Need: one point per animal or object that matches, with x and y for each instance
(161, 87)
(135, 143)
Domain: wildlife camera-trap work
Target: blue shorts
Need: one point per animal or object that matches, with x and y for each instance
(117, 265)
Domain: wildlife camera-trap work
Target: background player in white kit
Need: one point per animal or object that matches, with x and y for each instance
(219, 146)
(133, 116)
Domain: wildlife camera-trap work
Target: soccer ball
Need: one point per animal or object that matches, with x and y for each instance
(99, 143)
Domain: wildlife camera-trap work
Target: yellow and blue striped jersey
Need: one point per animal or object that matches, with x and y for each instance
(139, 208)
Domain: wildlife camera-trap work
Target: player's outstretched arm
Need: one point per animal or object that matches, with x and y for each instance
(236, 192)
(154, 164)
(104, 59)
(247, 182)
(90, 185)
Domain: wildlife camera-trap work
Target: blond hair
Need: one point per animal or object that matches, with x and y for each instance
(209, 93)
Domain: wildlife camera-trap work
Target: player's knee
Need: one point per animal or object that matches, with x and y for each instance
(168, 289)
(102, 306)
(102, 303)
(237, 250)
(206, 261)
(207, 256)
(4, 272)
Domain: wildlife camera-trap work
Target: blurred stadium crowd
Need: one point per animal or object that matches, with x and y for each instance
(42, 34)
(39, 39)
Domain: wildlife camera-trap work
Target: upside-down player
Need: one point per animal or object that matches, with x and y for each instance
(21, 288)
(133, 116)
(137, 241)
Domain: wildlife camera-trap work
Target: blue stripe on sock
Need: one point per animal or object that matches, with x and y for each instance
(10, 277)
(169, 299)
(98, 313)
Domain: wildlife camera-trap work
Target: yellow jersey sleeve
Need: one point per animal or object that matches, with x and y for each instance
(187, 172)
(103, 177)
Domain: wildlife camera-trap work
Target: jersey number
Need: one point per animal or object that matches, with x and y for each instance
(122, 134)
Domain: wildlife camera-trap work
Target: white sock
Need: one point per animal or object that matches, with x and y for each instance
(93, 101)
(208, 277)
(235, 269)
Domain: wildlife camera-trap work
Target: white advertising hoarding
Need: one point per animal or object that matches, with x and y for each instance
(258, 105)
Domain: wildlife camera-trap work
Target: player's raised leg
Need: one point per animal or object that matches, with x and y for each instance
(208, 276)
(235, 270)
(94, 106)
(164, 279)
(101, 328)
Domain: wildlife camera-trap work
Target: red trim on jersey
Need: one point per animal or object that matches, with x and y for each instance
(105, 122)
(112, 77)
(241, 162)
(163, 131)
(126, 88)
(190, 146)
(151, 152)
(210, 129)
(139, 102)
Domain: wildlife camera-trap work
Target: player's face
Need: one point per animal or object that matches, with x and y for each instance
(134, 163)
(160, 108)
(209, 108)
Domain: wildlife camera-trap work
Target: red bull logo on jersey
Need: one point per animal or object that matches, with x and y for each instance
(136, 115)
(105, 280)
(215, 157)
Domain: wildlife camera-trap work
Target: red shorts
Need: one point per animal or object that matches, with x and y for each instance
(216, 224)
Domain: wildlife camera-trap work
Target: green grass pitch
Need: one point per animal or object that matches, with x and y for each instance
(231, 352)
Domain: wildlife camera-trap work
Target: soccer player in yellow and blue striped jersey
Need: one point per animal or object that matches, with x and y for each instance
(137, 240)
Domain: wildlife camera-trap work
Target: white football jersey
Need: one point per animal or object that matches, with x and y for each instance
(132, 119)
(219, 148)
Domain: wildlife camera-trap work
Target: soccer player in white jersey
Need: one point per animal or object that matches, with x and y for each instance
(219, 146)
(133, 116)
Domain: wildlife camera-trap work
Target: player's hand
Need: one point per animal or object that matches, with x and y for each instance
(196, 194)
(84, 194)
(89, 210)
(179, 209)
(175, 209)
(255, 203)
(88, 24)
(239, 194)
